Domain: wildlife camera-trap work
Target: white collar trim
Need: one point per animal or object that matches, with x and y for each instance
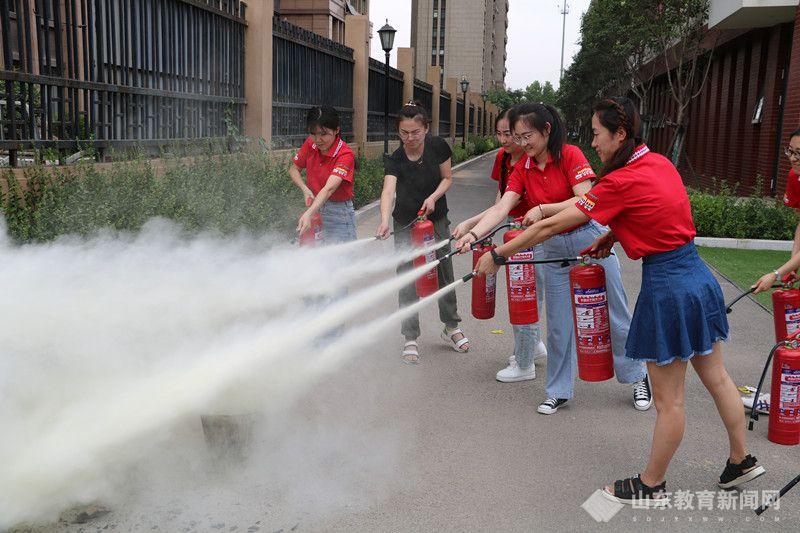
(643, 149)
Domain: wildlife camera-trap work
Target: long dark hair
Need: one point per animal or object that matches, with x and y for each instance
(615, 113)
(537, 116)
(506, 156)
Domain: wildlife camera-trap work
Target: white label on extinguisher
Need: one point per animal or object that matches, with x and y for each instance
(491, 285)
(430, 257)
(591, 317)
(789, 408)
(792, 315)
(522, 278)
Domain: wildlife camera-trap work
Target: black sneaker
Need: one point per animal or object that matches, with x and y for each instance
(632, 491)
(739, 474)
(551, 405)
(642, 395)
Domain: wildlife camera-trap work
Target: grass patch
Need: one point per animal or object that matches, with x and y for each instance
(744, 267)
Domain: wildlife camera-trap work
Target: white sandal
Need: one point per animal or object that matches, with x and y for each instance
(458, 345)
(411, 350)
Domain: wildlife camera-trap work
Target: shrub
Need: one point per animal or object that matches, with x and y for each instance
(227, 193)
(723, 214)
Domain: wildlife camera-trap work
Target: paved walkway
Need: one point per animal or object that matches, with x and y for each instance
(442, 446)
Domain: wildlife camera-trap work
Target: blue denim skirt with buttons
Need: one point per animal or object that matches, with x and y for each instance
(680, 312)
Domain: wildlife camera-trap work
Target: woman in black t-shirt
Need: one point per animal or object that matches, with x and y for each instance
(419, 173)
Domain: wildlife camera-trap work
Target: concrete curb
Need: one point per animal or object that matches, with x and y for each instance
(366, 211)
(743, 244)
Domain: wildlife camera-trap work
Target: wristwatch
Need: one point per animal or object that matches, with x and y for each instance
(497, 258)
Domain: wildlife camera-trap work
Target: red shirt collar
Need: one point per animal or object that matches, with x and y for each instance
(335, 147)
(528, 161)
(638, 153)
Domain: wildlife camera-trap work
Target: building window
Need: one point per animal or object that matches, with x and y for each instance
(433, 60)
(758, 111)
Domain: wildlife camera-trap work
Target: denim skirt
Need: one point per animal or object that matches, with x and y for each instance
(680, 312)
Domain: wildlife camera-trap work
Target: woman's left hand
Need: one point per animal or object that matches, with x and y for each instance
(428, 206)
(533, 216)
(304, 223)
(486, 265)
(764, 283)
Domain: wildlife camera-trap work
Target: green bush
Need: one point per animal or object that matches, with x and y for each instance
(368, 182)
(721, 213)
(248, 191)
(591, 155)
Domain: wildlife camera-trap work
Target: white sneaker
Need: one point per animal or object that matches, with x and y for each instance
(540, 351)
(763, 403)
(513, 373)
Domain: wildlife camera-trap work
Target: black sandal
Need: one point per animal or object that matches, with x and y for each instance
(632, 491)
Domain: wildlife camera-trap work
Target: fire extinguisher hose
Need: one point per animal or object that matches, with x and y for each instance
(754, 411)
(729, 307)
(774, 499)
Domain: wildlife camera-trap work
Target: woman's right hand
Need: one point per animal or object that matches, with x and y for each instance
(383, 230)
(462, 229)
(601, 247)
(463, 244)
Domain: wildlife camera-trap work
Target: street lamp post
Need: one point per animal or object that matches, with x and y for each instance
(386, 34)
(485, 97)
(464, 88)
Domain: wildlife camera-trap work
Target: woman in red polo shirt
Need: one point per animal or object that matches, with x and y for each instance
(680, 314)
(528, 343)
(791, 198)
(330, 165)
(552, 177)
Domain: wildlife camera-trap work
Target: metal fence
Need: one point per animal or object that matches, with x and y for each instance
(308, 70)
(459, 117)
(119, 73)
(444, 114)
(423, 93)
(375, 101)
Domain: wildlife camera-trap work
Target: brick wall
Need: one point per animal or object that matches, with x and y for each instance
(721, 142)
(791, 116)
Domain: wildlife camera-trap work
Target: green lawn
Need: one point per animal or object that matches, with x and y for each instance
(744, 267)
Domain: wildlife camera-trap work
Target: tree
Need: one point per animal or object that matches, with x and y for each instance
(688, 50)
(536, 92)
(504, 98)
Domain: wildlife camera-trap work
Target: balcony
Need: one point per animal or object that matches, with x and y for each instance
(731, 14)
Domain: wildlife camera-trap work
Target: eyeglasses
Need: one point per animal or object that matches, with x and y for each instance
(792, 153)
(408, 134)
(524, 138)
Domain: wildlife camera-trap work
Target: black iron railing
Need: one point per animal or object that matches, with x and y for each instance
(119, 73)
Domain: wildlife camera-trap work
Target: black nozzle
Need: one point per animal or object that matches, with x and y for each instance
(469, 276)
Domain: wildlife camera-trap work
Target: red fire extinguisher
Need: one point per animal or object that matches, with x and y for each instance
(592, 325)
(786, 310)
(422, 236)
(313, 235)
(784, 409)
(521, 283)
(484, 288)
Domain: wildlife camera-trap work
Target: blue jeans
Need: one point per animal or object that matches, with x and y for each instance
(527, 336)
(338, 222)
(562, 361)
